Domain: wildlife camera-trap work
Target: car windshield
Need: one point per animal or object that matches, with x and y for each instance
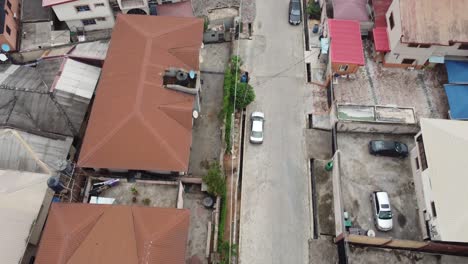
(385, 215)
(296, 9)
(256, 134)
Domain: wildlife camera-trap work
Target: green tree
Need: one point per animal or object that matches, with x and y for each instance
(313, 9)
(245, 94)
(215, 180)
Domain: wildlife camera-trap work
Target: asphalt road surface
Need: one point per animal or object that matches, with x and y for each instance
(275, 213)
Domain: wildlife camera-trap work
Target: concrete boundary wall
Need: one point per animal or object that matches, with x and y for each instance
(369, 127)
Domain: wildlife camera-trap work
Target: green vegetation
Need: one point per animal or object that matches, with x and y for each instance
(215, 180)
(313, 9)
(146, 201)
(243, 93)
(134, 190)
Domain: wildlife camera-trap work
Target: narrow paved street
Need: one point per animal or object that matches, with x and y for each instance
(275, 212)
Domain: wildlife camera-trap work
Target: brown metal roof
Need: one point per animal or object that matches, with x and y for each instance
(113, 234)
(135, 122)
(434, 21)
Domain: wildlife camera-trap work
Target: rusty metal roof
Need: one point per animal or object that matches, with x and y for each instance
(137, 123)
(111, 234)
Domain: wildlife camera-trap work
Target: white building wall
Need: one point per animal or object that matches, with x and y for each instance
(400, 51)
(67, 12)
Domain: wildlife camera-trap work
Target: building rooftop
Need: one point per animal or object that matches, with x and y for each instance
(51, 98)
(32, 11)
(21, 196)
(39, 35)
(23, 151)
(346, 42)
(150, 126)
(445, 145)
(55, 2)
(96, 50)
(434, 21)
(87, 233)
(380, 8)
(181, 9)
(350, 10)
(381, 39)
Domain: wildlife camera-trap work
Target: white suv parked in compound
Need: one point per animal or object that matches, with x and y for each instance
(382, 211)
(256, 133)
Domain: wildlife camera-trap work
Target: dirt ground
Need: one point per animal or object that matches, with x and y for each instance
(377, 85)
(322, 251)
(160, 195)
(363, 173)
(199, 218)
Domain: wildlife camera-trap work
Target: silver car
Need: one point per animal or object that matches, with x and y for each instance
(257, 119)
(382, 211)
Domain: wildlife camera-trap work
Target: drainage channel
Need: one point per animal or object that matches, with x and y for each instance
(314, 199)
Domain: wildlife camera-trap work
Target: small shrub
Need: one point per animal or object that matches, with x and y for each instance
(313, 9)
(215, 180)
(134, 199)
(146, 201)
(134, 190)
(245, 94)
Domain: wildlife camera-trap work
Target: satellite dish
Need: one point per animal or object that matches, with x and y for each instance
(192, 74)
(6, 47)
(195, 114)
(3, 58)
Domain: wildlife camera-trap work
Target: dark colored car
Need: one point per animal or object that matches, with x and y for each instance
(295, 12)
(388, 148)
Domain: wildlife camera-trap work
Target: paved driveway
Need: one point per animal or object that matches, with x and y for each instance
(275, 214)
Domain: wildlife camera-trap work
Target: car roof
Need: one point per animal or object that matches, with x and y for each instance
(382, 197)
(257, 126)
(258, 114)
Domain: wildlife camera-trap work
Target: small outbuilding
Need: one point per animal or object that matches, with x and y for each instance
(346, 50)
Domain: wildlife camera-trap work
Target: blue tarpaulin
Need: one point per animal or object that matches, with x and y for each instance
(458, 100)
(457, 71)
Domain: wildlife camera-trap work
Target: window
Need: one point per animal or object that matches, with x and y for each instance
(87, 22)
(82, 8)
(434, 212)
(412, 45)
(101, 19)
(391, 21)
(422, 153)
(416, 160)
(98, 4)
(9, 4)
(343, 68)
(8, 30)
(463, 46)
(407, 61)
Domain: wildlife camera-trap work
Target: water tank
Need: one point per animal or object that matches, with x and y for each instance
(182, 78)
(54, 183)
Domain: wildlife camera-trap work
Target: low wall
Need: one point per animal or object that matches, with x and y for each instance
(370, 127)
(422, 246)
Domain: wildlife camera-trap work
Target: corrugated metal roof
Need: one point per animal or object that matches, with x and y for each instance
(381, 41)
(457, 96)
(434, 21)
(350, 10)
(380, 9)
(445, 145)
(457, 71)
(26, 100)
(27, 152)
(137, 123)
(346, 42)
(96, 50)
(111, 234)
(21, 196)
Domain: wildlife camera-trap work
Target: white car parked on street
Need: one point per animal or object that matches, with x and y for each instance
(257, 119)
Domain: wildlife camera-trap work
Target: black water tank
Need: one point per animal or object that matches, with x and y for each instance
(54, 183)
(182, 78)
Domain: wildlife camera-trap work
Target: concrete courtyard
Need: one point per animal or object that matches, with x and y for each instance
(363, 173)
(377, 85)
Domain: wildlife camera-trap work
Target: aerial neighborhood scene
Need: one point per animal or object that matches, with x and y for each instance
(233, 131)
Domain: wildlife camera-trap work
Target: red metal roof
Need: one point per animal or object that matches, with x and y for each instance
(136, 123)
(380, 9)
(113, 234)
(55, 2)
(346, 42)
(381, 39)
